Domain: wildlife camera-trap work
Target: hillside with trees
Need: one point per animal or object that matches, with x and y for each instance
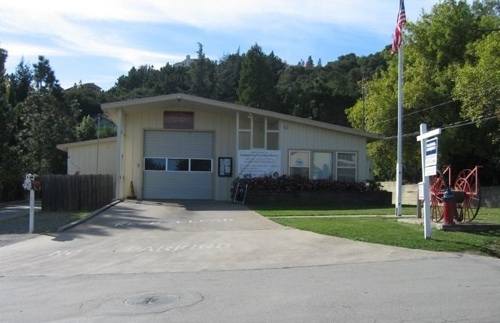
(452, 77)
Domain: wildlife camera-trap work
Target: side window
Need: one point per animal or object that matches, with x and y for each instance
(257, 132)
(272, 134)
(321, 165)
(298, 162)
(346, 166)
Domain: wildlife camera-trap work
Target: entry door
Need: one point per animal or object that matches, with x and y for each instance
(178, 165)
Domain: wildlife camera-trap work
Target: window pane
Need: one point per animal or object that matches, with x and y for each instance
(273, 141)
(244, 121)
(201, 165)
(272, 124)
(322, 165)
(178, 164)
(154, 164)
(299, 171)
(346, 160)
(299, 159)
(258, 132)
(178, 120)
(346, 174)
(244, 140)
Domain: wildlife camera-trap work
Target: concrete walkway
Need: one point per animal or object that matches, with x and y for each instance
(217, 262)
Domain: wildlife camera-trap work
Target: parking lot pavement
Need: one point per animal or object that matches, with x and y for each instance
(218, 262)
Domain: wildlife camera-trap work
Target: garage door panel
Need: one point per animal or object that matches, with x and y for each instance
(178, 144)
(165, 185)
(182, 184)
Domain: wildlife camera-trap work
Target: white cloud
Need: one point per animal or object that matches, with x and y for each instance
(18, 49)
(69, 23)
(218, 14)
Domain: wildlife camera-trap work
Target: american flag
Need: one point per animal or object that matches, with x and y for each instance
(397, 38)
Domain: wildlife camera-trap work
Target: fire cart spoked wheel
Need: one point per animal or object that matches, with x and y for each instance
(437, 188)
(466, 182)
(437, 208)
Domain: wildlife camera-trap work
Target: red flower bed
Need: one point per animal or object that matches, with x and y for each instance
(299, 184)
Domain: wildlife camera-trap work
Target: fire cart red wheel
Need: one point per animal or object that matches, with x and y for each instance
(466, 182)
(437, 206)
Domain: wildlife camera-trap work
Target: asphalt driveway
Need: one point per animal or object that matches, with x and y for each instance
(17, 209)
(134, 237)
(218, 262)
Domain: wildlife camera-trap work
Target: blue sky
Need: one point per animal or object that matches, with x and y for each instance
(97, 41)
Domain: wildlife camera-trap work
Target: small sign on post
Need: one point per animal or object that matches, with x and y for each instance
(429, 148)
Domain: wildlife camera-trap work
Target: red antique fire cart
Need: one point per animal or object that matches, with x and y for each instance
(466, 190)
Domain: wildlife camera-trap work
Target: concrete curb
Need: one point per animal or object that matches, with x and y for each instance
(340, 216)
(88, 217)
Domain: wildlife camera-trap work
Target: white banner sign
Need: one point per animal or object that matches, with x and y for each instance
(257, 163)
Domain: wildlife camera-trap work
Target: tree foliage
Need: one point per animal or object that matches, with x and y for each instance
(202, 75)
(86, 129)
(256, 87)
(478, 81)
(441, 62)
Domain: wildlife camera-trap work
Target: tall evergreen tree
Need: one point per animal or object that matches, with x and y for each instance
(20, 83)
(45, 79)
(309, 63)
(227, 77)
(10, 171)
(202, 75)
(256, 87)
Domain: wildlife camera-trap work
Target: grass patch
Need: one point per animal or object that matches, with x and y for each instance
(390, 232)
(45, 222)
(277, 210)
(488, 215)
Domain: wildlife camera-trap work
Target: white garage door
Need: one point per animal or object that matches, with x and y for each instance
(178, 165)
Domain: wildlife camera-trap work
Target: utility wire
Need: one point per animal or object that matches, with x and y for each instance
(450, 126)
(417, 111)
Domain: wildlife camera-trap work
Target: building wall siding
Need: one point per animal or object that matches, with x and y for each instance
(83, 159)
(299, 136)
(223, 124)
(220, 122)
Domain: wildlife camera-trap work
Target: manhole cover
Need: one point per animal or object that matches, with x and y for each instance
(152, 300)
(142, 303)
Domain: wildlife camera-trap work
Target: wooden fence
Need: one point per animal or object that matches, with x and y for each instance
(76, 192)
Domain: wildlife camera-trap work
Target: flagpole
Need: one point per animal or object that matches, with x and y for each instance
(399, 162)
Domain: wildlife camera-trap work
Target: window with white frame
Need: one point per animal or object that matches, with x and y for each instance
(177, 164)
(346, 166)
(298, 162)
(257, 132)
(321, 165)
(272, 134)
(151, 163)
(200, 165)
